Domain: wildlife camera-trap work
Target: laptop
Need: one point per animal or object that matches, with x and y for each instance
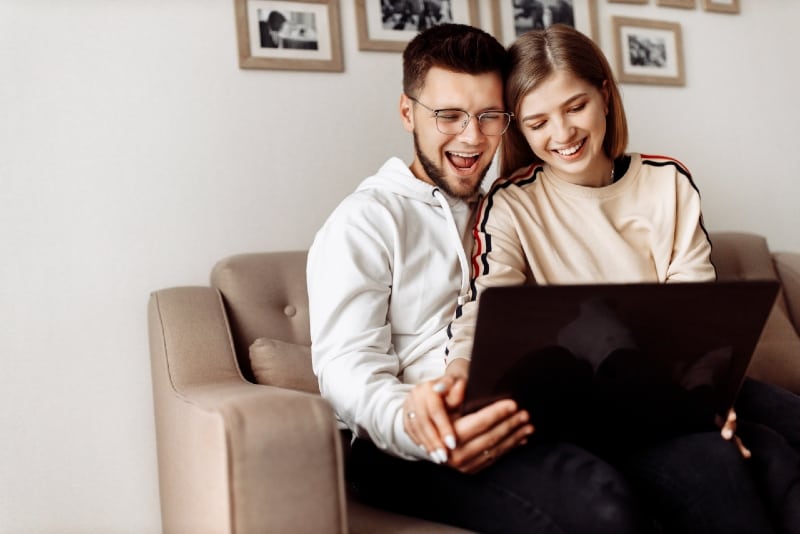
(625, 361)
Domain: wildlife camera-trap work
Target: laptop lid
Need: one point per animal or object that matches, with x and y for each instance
(630, 359)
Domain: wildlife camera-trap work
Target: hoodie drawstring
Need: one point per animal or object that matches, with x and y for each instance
(463, 296)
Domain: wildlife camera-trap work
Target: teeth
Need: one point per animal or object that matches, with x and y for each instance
(571, 150)
(464, 154)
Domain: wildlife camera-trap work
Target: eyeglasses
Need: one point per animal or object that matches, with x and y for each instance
(454, 121)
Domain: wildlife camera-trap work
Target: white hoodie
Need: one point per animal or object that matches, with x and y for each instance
(384, 275)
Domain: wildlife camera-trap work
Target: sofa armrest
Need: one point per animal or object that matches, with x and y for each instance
(235, 456)
(788, 266)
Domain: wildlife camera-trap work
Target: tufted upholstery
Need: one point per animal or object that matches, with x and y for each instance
(236, 457)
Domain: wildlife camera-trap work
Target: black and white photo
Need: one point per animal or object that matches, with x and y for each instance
(648, 51)
(289, 34)
(512, 18)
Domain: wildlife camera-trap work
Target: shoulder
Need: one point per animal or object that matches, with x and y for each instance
(664, 162)
(519, 179)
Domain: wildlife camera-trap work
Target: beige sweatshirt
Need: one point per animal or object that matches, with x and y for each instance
(535, 228)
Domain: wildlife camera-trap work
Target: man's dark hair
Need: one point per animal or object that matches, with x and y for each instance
(455, 47)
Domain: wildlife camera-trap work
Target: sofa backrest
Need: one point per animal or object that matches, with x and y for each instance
(265, 296)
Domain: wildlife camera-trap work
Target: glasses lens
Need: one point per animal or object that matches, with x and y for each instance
(493, 123)
(451, 121)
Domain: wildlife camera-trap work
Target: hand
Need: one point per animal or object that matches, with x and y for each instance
(427, 415)
(729, 433)
(487, 434)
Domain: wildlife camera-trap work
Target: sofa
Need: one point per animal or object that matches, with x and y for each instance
(245, 442)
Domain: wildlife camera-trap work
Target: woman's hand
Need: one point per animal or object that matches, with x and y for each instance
(729, 433)
(427, 415)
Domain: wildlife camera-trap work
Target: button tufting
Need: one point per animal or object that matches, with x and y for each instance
(290, 311)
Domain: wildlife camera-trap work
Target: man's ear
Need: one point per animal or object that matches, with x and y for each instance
(406, 112)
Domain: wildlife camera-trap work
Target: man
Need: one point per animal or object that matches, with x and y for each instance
(384, 275)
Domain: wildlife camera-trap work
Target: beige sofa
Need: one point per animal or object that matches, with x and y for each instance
(236, 456)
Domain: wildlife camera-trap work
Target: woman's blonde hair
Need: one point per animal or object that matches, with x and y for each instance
(535, 56)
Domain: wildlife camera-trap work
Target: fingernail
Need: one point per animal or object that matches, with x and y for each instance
(439, 387)
(435, 457)
(450, 441)
(442, 454)
(727, 433)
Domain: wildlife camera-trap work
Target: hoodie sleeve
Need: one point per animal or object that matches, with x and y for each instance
(349, 272)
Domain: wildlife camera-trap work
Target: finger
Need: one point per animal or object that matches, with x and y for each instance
(506, 434)
(744, 451)
(476, 423)
(487, 456)
(729, 427)
(455, 395)
(431, 416)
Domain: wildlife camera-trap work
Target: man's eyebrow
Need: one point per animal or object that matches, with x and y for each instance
(565, 103)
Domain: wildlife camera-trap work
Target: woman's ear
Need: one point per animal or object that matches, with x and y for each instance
(406, 113)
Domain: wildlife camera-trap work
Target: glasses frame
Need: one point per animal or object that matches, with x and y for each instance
(464, 124)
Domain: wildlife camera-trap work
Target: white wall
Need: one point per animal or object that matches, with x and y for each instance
(134, 153)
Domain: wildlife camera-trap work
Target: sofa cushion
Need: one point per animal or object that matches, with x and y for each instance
(286, 365)
(777, 356)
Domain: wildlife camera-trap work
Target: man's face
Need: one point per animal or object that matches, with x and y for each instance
(455, 163)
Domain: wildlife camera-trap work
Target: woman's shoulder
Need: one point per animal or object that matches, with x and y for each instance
(520, 178)
(662, 161)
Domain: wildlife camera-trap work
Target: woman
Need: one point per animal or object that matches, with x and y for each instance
(575, 208)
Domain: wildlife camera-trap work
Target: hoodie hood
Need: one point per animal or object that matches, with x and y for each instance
(395, 176)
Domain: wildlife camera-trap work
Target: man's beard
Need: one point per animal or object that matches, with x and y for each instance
(436, 174)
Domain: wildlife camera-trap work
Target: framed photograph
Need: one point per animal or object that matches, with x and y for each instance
(388, 25)
(721, 6)
(648, 51)
(686, 4)
(512, 18)
(289, 34)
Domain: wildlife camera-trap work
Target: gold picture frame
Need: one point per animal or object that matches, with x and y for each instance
(648, 51)
(289, 34)
(685, 4)
(722, 6)
(381, 28)
(508, 22)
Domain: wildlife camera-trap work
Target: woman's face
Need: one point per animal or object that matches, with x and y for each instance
(564, 121)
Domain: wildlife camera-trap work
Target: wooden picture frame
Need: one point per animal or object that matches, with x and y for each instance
(628, 1)
(381, 28)
(648, 51)
(685, 4)
(289, 34)
(508, 21)
(722, 6)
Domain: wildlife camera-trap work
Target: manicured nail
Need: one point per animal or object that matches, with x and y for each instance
(439, 387)
(450, 441)
(442, 454)
(727, 433)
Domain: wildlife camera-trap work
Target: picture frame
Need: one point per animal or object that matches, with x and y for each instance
(685, 4)
(289, 35)
(648, 51)
(508, 21)
(381, 28)
(722, 6)
(628, 1)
